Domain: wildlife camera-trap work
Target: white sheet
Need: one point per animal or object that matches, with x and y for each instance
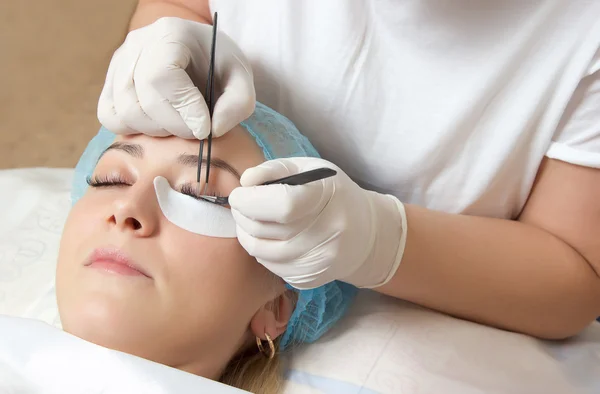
(383, 346)
(388, 346)
(38, 358)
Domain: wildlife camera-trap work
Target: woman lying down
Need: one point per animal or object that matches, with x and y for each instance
(141, 273)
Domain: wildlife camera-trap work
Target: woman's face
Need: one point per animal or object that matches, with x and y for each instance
(199, 297)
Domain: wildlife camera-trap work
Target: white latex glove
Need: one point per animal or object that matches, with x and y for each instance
(313, 234)
(156, 81)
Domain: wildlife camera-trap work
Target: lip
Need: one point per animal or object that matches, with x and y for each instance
(115, 261)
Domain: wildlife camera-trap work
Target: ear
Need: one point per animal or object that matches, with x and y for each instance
(272, 318)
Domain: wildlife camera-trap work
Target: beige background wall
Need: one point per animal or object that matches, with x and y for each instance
(53, 59)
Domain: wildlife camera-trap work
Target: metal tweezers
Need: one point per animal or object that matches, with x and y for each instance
(301, 178)
(210, 102)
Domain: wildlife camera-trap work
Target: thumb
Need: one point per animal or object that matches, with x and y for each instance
(270, 170)
(237, 102)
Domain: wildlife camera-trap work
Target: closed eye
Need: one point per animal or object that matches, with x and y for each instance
(107, 181)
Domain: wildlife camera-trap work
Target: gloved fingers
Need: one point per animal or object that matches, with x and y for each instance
(301, 280)
(126, 102)
(270, 230)
(308, 282)
(301, 270)
(268, 249)
(237, 102)
(162, 112)
(107, 114)
(308, 279)
(280, 203)
(168, 94)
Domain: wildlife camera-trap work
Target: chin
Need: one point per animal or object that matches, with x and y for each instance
(102, 323)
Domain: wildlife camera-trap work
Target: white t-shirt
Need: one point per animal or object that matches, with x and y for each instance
(449, 104)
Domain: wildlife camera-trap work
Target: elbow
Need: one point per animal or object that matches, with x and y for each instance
(574, 315)
(560, 333)
(565, 328)
(560, 322)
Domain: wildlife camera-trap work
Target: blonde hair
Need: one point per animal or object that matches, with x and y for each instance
(254, 372)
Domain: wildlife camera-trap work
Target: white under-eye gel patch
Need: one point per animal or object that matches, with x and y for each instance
(190, 214)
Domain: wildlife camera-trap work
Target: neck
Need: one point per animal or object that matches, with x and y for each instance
(211, 362)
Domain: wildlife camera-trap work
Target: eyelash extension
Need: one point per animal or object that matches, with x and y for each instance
(194, 192)
(107, 181)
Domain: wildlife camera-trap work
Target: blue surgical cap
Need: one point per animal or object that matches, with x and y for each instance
(317, 310)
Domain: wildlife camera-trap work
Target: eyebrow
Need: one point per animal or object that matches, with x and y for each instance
(192, 161)
(137, 151)
(134, 150)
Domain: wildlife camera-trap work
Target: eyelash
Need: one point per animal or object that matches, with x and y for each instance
(194, 192)
(107, 181)
(117, 180)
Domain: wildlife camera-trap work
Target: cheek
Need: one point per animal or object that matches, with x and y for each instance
(67, 291)
(82, 232)
(83, 224)
(215, 268)
(78, 226)
(210, 257)
(86, 214)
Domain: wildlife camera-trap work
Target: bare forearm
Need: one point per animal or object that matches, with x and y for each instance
(498, 272)
(148, 11)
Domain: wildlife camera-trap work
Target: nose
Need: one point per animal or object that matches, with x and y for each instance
(136, 211)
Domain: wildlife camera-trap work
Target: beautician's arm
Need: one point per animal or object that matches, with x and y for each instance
(538, 275)
(148, 11)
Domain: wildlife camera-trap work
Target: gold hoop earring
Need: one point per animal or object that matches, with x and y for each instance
(262, 349)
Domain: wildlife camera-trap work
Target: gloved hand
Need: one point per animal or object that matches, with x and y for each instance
(313, 234)
(156, 80)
